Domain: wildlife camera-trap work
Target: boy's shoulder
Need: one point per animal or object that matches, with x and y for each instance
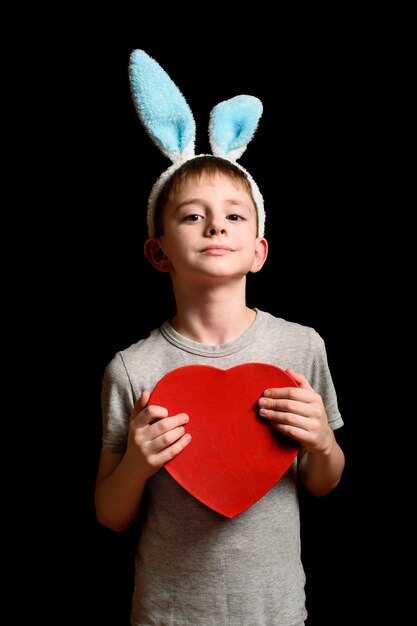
(141, 353)
(287, 336)
(143, 344)
(286, 326)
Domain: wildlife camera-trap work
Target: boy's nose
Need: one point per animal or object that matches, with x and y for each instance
(217, 230)
(216, 225)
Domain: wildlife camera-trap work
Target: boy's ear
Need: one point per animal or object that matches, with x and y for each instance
(261, 253)
(156, 256)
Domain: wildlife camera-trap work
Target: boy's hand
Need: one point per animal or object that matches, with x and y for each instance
(299, 413)
(154, 437)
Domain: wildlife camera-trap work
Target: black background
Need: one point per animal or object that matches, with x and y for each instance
(313, 157)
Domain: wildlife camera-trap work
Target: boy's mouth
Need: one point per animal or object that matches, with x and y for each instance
(216, 250)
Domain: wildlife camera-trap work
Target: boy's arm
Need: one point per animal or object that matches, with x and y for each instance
(154, 438)
(118, 492)
(320, 472)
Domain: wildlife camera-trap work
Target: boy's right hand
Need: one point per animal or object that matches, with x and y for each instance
(154, 437)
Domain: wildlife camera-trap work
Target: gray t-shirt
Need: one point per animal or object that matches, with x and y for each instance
(195, 567)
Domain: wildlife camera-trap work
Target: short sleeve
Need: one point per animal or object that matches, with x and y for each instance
(117, 401)
(321, 380)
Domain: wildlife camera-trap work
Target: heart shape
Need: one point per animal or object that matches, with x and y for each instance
(234, 457)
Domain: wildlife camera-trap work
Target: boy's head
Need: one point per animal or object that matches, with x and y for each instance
(168, 119)
(206, 224)
(194, 169)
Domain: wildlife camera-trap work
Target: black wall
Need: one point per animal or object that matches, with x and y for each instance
(310, 156)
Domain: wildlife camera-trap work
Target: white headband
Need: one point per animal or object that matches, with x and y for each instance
(168, 119)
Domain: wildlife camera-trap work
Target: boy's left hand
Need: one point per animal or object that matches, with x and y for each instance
(298, 412)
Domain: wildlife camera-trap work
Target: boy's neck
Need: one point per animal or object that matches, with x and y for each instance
(213, 323)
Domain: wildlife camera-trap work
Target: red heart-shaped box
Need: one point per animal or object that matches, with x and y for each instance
(234, 457)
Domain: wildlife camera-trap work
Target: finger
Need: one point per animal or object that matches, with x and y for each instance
(289, 393)
(140, 404)
(300, 379)
(171, 451)
(278, 418)
(149, 413)
(166, 439)
(163, 426)
(271, 407)
(295, 432)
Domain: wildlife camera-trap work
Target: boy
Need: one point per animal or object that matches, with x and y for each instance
(194, 566)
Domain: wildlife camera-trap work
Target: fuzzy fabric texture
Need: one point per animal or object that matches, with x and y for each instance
(168, 119)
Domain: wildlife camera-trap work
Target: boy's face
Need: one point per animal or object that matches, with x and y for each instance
(210, 228)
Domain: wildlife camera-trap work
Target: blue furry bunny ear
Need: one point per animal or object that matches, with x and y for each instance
(233, 124)
(162, 108)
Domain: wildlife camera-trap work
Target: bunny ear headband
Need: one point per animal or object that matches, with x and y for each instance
(168, 119)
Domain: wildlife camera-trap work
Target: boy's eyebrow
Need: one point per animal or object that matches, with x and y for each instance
(229, 202)
(188, 201)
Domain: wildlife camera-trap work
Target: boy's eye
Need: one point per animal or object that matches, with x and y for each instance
(193, 218)
(234, 217)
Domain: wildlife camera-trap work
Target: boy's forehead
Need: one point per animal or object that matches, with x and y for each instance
(210, 182)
